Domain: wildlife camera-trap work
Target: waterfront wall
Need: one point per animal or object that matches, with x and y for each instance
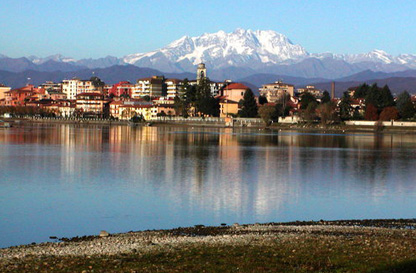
(384, 123)
(211, 121)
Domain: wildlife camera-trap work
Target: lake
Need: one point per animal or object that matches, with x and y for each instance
(70, 180)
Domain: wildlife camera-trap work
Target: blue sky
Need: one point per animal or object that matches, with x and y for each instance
(92, 29)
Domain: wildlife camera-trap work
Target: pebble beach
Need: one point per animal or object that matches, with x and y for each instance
(394, 239)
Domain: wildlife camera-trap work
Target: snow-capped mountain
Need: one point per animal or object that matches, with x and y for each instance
(231, 55)
(218, 50)
(56, 58)
(258, 50)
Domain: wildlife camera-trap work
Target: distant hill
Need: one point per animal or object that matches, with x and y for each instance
(397, 81)
(109, 75)
(396, 84)
(259, 79)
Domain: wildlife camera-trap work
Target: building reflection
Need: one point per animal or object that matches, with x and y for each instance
(240, 170)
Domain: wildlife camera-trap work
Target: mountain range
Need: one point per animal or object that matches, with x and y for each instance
(243, 55)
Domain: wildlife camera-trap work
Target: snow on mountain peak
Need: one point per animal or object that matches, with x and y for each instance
(242, 47)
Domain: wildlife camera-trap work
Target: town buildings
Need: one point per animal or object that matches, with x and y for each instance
(174, 87)
(317, 93)
(18, 97)
(120, 89)
(91, 104)
(152, 86)
(76, 86)
(276, 91)
(234, 91)
(3, 89)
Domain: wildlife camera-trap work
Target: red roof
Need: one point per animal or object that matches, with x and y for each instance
(89, 94)
(236, 86)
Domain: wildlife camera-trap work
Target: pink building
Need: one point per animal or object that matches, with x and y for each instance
(234, 91)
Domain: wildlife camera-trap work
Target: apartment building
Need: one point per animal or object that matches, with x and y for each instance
(173, 88)
(310, 89)
(76, 86)
(153, 87)
(90, 103)
(275, 91)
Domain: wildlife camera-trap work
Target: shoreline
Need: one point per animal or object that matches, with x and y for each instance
(339, 128)
(390, 242)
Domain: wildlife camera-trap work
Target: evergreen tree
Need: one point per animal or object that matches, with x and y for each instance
(405, 106)
(249, 105)
(379, 97)
(205, 103)
(262, 100)
(373, 95)
(178, 104)
(325, 97)
(386, 98)
(306, 99)
(97, 82)
(188, 92)
(361, 91)
(345, 107)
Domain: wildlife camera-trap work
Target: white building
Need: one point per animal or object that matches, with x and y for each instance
(76, 86)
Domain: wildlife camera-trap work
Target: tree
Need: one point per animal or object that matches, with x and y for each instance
(249, 105)
(178, 104)
(97, 82)
(373, 96)
(371, 112)
(325, 97)
(405, 106)
(205, 103)
(386, 98)
(188, 92)
(379, 97)
(266, 112)
(326, 112)
(309, 114)
(262, 100)
(361, 91)
(306, 99)
(345, 107)
(389, 113)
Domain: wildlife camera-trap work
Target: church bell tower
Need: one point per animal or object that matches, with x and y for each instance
(201, 72)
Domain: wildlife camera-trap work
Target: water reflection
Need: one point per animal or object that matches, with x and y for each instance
(160, 177)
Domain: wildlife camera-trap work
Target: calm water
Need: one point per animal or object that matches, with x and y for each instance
(64, 180)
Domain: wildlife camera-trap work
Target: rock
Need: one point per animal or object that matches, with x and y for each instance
(104, 233)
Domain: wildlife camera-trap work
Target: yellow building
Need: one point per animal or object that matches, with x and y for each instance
(228, 108)
(275, 91)
(2, 90)
(125, 110)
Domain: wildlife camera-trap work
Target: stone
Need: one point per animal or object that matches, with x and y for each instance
(104, 233)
